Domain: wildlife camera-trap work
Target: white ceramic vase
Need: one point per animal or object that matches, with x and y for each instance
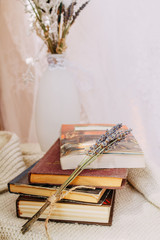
(57, 101)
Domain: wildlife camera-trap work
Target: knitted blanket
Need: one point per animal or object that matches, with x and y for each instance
(136, 212)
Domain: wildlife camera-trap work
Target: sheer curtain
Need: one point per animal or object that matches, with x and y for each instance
(114, 47)
(118, 42)
(17, 43)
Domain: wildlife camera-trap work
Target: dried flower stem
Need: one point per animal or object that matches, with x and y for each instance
(78, 12)
(106, 145)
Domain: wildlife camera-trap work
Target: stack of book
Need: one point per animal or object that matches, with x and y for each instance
(91, 204)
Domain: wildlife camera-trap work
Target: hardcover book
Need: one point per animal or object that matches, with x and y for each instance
(48, 171)
(69, 212)
(20, 185)
(76, 139)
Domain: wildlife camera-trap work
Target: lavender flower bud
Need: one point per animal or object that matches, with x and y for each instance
(108, 136)
(117, 138)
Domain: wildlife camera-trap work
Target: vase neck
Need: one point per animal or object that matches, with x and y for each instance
(56, 60)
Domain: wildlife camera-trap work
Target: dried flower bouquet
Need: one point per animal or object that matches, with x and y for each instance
(52, 20)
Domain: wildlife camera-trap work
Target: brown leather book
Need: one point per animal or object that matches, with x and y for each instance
(102, 214)
(20, 185)
(48, 171)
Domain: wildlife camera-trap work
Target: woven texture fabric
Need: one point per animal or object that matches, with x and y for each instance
(147, 182)
(11, 160)
(136, 213)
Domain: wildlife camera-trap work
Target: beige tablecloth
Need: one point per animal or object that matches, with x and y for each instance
(136, 212)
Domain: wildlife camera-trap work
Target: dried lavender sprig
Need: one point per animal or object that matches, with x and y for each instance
(67, 26)
(78, 12)
(109, 132)
(110, 146)
(103, 138)
(115, 139)
(68, 13)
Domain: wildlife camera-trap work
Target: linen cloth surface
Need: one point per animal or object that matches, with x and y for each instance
(136, 212)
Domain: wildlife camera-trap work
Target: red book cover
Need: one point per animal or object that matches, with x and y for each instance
(49, 166)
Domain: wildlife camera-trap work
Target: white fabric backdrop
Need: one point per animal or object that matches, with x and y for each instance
(119, 43)
(116, 47)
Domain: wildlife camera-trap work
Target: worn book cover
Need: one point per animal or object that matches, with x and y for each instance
(48, 171)
(69, 212)
(20, 185)
(76, 139)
